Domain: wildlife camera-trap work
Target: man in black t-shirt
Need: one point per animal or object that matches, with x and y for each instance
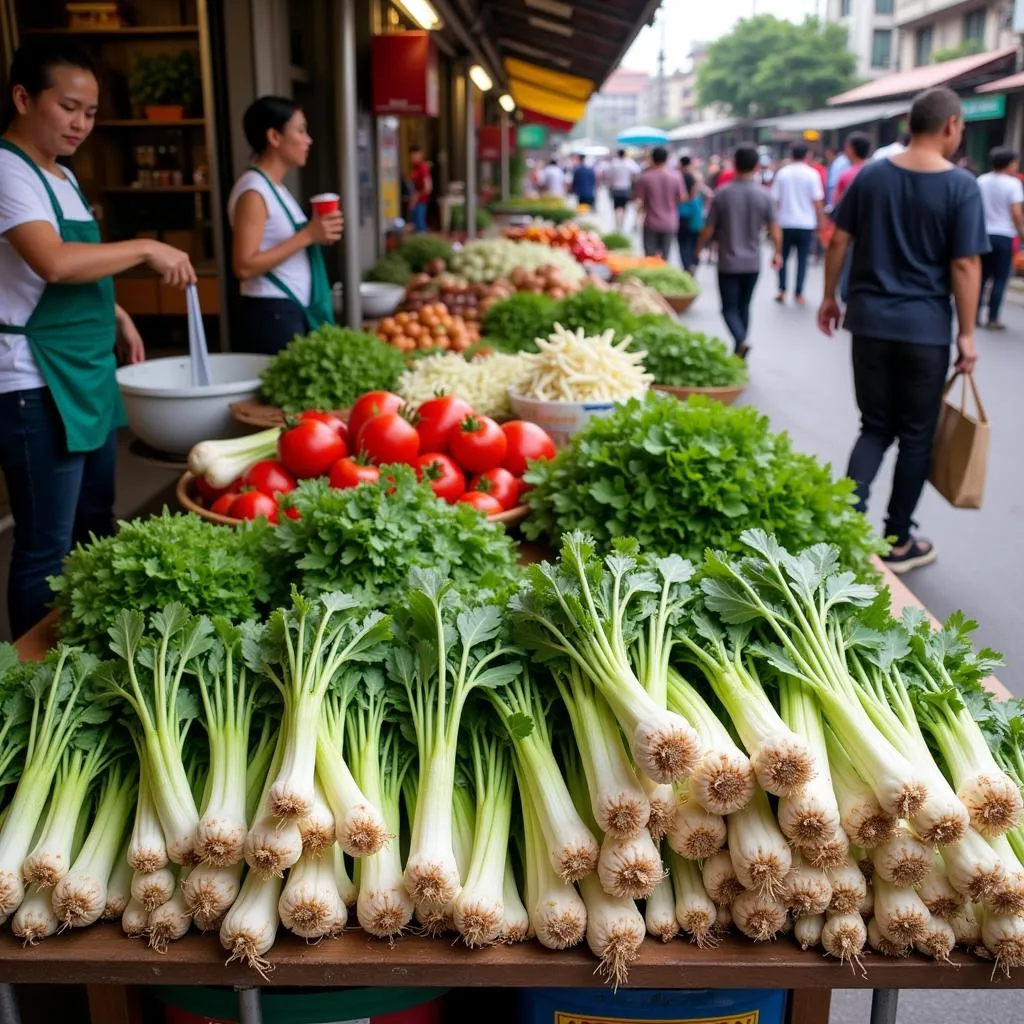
(919, 230)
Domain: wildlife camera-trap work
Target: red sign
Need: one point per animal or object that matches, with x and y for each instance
(405, 74)
(489, 141)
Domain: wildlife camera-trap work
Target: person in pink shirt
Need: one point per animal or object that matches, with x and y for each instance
(658, 192)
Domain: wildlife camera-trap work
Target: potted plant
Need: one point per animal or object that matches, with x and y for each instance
(165, 85)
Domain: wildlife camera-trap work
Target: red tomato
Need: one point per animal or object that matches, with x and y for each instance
(222, 506)
(436, 418)
(210, 493)
(252, 505)
(485, 503)
(477, 444)
(499, 483)
(526, 442)
(335, 422)
(350, 472)
(445, 478)
(310, 449)
(373, 403)
(270, 477)
(292, 512)
(389, 437)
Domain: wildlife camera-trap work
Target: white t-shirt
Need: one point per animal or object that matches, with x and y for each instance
(621, 173)
(796, 188)
(294, 271)
(998, 194)
(552, 180)
(24, 199)
(888, 152)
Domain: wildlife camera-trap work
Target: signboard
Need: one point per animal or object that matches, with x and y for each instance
(405, 74)
(984, 108)
(489, 141)
(531, 136)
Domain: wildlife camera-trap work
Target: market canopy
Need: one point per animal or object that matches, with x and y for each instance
(701, 129)
(553, 94)
(641, 135)
(834, 118)
(949, 72)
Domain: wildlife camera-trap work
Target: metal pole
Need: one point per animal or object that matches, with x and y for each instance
(505, 175)
(9, 1013)
(883, 1005)
(250, 1006)
(470, 161)
(349, 164)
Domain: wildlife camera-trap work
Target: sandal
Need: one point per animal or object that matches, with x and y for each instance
(743, 350)
(918, 553)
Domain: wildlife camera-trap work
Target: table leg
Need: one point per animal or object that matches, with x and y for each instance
(809, 1006)
(250, 1006)
(9, 1005)
(883, 1005)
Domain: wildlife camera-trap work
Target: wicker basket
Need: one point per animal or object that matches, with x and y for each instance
(680, 303)
(254, 413)
(724, 395)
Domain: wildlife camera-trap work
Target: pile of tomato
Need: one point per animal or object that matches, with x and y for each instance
(464, 457)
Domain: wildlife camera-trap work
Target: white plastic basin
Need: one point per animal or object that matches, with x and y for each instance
(166, 412)
(560, 419)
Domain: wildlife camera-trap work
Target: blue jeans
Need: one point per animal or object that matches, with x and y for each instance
(736, 291)
(799, 239)
(687, 245)
(268, 325)
(419, 218)
(57, 498)
(996, 266)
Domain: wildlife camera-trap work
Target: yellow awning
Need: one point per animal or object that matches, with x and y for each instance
(550, 93)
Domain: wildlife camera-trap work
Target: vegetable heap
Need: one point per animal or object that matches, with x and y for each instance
(496, 258)
(685, 476)
(666, 280)
(754, 745)
(329, 369)
(684, 358)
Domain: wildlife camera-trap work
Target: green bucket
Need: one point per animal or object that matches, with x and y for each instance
(187, 1005)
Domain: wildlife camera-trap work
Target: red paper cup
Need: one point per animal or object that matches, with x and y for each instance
(325, 203)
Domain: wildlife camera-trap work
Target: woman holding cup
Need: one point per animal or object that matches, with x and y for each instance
(277, 253)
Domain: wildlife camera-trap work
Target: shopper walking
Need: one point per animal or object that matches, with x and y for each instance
(276, 251)
(658, 193)
(691, 216)
(738, 218)
(422, 189)
(552, 180)
(856, 150)
(60, 405)
(837, 164)
(1001, 196)
(918, 231)
(584, 182)
(622, 173)
(799, 196)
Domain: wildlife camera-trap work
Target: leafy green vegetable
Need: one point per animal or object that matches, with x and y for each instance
(419, 250)
(329, 369)
(515, 322)
(595, 311)
(681, 477)
(685, 358)
(365, 540)
(666, 280)
(150, 563)
(390, 269)
(555, 210)
(617, 241)
(484, 218)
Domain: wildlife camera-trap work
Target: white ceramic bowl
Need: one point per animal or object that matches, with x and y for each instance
(166, 412)
(560, 419)
(379, 299)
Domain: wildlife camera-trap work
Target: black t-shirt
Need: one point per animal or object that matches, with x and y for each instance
(908, 226)
(689, 181)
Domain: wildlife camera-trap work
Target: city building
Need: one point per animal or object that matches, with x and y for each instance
(622, 102)
(930, 28)
(871, 33)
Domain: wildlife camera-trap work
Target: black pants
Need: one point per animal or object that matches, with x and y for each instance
(687, 246)
(899, 393)
(269, 324)
(995, 267)
(657, 243)
(799, 239)
(736, 291)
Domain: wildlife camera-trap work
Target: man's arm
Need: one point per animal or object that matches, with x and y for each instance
(966, 292)
(775, 233)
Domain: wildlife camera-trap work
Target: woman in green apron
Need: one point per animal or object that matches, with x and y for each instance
(277, 252)
(59, 325)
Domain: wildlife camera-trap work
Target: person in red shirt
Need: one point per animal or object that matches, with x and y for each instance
(727, 174)
(422, 187)
(857, 149)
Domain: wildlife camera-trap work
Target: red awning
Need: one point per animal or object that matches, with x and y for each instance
(1004, 84)
(554, 123)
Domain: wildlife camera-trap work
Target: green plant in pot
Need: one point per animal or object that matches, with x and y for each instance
(165, 85)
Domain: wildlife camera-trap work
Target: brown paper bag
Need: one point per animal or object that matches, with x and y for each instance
(960, 455)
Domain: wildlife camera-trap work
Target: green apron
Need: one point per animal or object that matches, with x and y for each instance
(321, 305)
(72, 333)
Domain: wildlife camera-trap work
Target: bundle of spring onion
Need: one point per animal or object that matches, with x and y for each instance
(625, 747)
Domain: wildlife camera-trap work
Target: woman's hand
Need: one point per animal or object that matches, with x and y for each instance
(173, 265)
(129, 342)
(325, 230)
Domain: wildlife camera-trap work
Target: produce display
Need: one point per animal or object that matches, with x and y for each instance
(328, 369)
(618, 262)
(390, 269)
(488, 260)
(426, 253)
(594, 310)
(543, 209)
(457, 294)
(682, 477)
(432, 326)
(616, 241)
(585, 246)
(517, 321)
(680, 357)
(641, 299)
(483, 382)
(665, 280)
(547, 279)
(569, 366)
(502, 763)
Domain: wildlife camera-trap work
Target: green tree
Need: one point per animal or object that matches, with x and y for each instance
(768, 66)
(968, 48)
